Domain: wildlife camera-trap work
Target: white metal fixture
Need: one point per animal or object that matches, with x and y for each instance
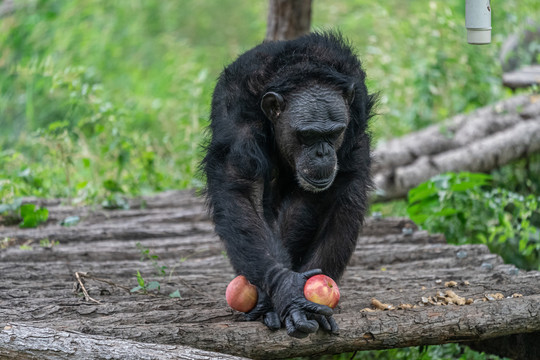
(478, 21)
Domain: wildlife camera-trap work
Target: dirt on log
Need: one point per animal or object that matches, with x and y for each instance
(481, 141)
(433, 293)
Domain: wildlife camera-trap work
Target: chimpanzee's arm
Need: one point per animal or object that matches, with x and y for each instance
(337, 237)
(235, 177)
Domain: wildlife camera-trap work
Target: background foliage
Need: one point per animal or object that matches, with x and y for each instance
(100, 98)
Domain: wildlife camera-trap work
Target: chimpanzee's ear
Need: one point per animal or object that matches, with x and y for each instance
(272, 105)
(349, 94)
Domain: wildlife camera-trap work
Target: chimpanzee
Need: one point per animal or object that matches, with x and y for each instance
(288, 170)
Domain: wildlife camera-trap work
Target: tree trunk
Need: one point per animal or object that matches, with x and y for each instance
(288, 19)
(7, 7)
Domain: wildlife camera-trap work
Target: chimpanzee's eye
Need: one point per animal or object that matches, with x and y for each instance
(308, 137)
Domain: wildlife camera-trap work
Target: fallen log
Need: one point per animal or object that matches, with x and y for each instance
(486, 139)
(394, 263)
(47, 343)
(523, 77)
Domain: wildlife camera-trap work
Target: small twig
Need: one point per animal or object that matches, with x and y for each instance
(86, 296)
(105, 281)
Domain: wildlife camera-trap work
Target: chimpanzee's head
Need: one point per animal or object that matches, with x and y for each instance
(309, 128)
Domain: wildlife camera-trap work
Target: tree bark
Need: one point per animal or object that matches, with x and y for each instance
(481, 141)
(44, 313)
(45, 343)
(288, 19)
(7, 7)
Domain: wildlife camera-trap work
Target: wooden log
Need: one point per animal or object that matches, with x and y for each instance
(494, 151)
(456, 132)
(486, 139)
(40, 289)
(521, 78)
(46, 343)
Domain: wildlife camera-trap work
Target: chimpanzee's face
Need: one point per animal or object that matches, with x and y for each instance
(309, 128)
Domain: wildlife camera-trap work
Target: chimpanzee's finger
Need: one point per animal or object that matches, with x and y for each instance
(292, 330)
(310, 273)
(322, 320)
(271, 319)
(333, 325)
(302, 323)
(315, 308)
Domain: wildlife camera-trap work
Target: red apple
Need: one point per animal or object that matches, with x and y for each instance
(241, 295)
(322, 289)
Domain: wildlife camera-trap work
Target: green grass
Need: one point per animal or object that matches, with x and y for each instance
(126, 85)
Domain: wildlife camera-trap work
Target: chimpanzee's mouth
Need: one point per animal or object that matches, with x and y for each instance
(315, 185)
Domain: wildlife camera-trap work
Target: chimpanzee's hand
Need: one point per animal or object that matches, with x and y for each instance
(300, 316)
(265, 309)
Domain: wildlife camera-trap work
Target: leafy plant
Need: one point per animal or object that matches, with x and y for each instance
(467, 209)
(32, 215)
(161, 270)
(431, 352)
(144, 286)
(46, 243)
(146, 255)
(26, 215)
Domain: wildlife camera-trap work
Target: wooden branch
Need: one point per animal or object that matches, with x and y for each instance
(47, 343)
(288, 19)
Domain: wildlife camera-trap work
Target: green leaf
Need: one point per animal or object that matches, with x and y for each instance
(136, 288)
(446, 212)
(58, 125)
(70, 221)
(32, 217)
(175, 294)
(30, 221)
(112, 186)
(42, 215)
(27, 210)
(422, 192)
(140, 279)
(153, 285)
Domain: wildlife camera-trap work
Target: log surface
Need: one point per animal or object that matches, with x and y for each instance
(44, 314)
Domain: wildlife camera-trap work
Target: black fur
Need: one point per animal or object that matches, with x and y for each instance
(273, 228)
